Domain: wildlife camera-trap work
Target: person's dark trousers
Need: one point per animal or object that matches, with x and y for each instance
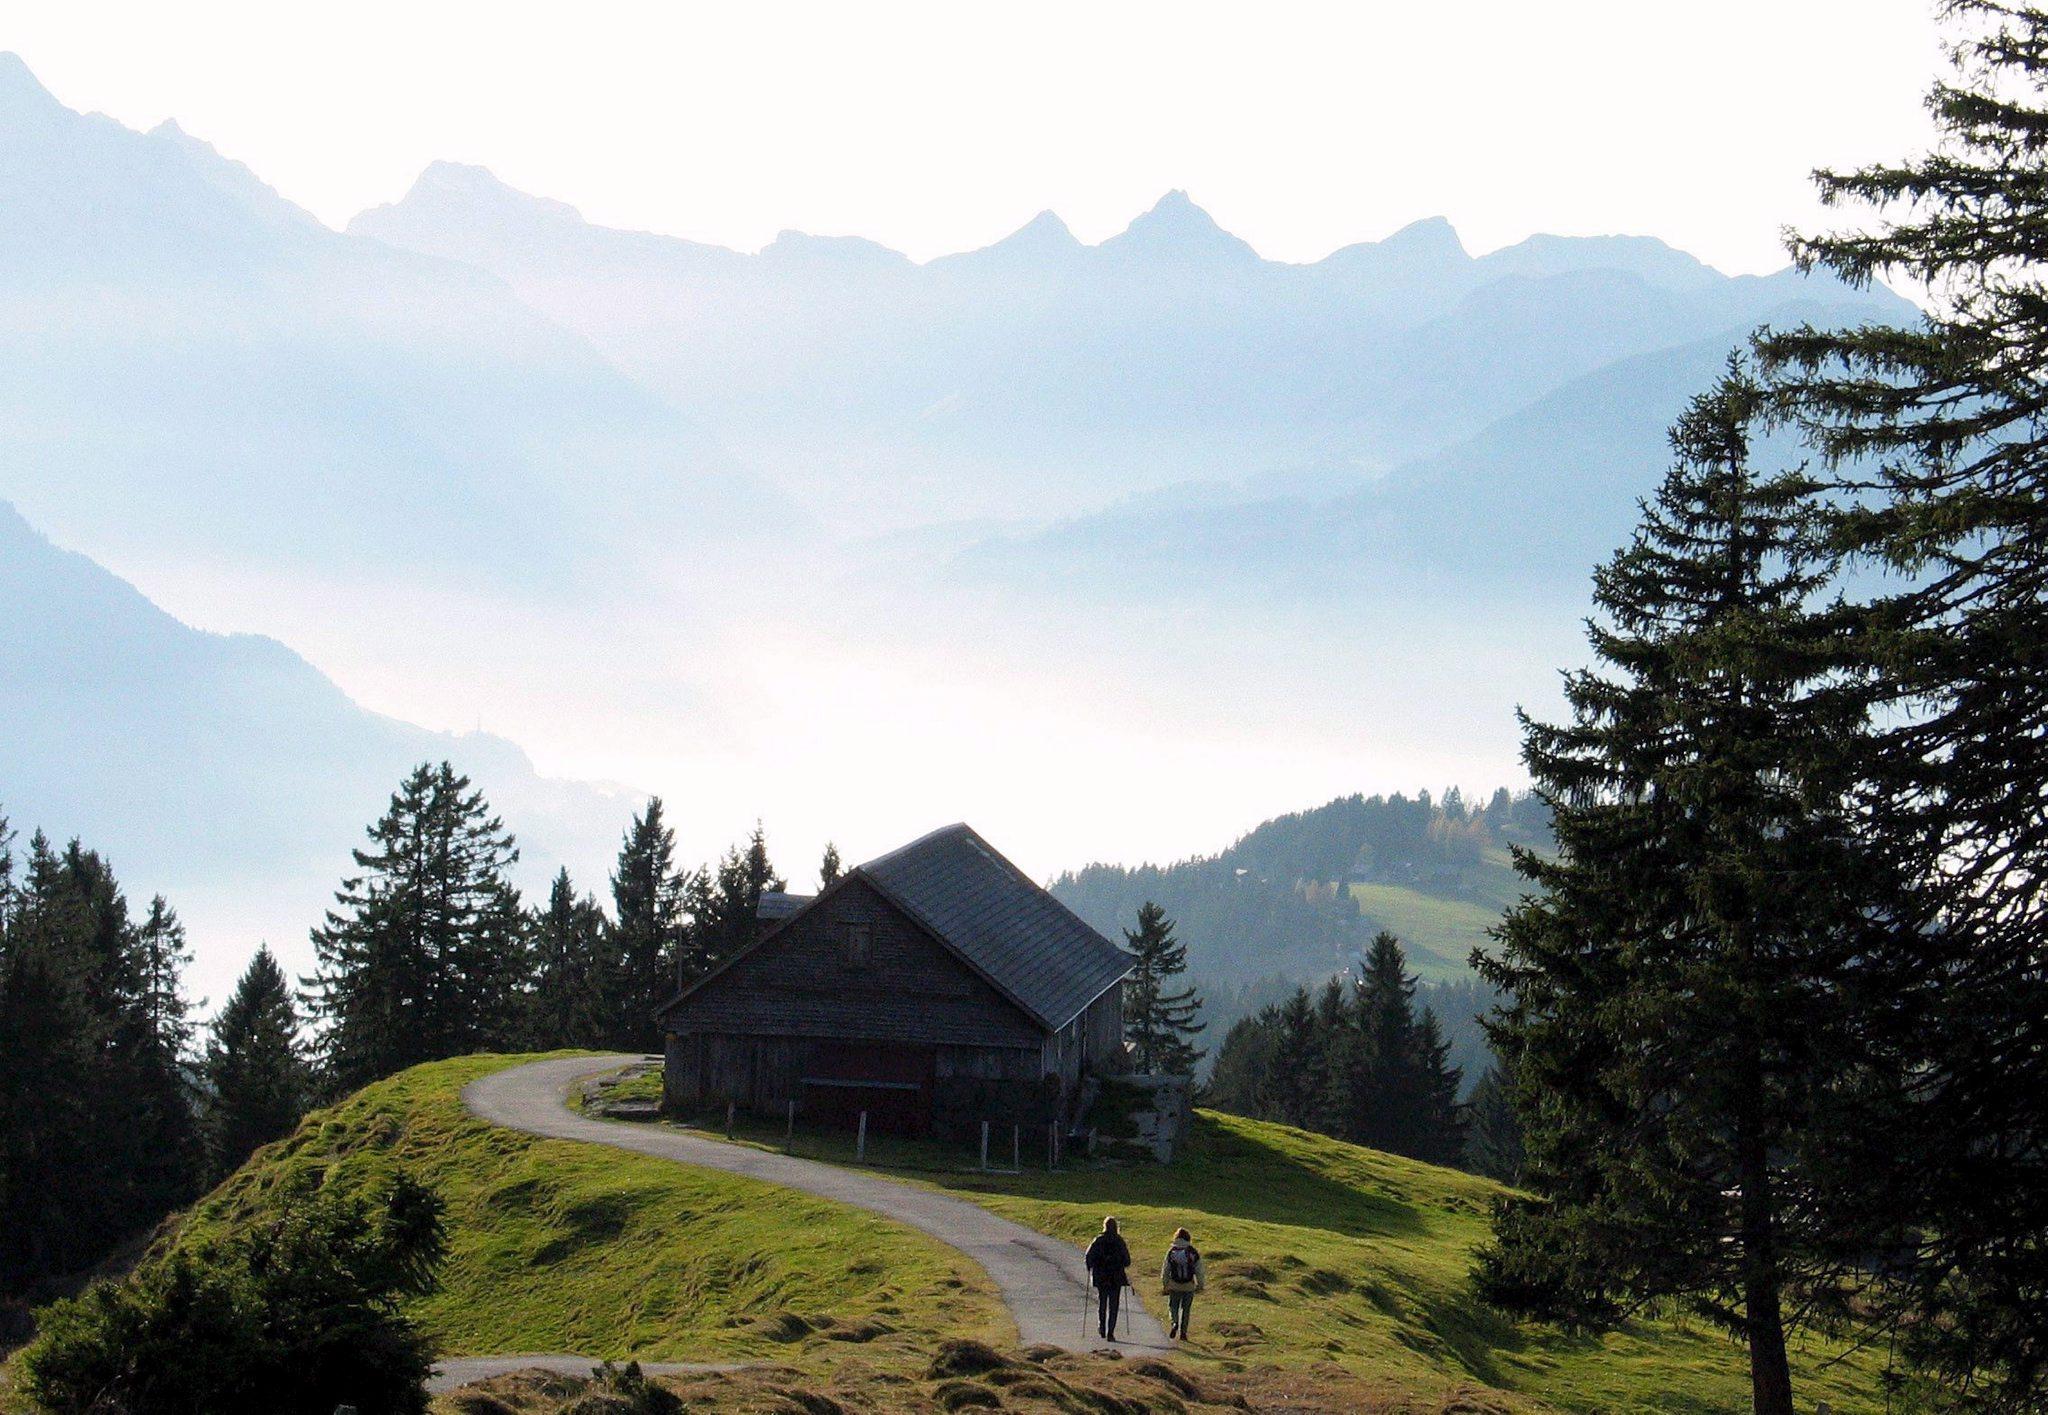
(1108, 1303)
(1178, 1305)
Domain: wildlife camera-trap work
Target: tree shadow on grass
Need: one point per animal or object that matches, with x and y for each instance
(1227, 1173)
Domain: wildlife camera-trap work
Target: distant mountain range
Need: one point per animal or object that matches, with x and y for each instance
(1043, 377)
(221, 769)
(1108, 547)
(198, 373)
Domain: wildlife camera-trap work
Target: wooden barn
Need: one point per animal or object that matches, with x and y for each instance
(934, 988)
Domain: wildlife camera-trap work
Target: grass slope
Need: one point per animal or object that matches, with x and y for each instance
(559, 1246)
(1327, 1258)
(1337, 1275)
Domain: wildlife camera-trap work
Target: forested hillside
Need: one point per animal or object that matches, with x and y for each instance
(1300, 898)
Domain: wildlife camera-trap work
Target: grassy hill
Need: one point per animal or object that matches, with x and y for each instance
(557, 1246)
(1337, 1276)
(1329, 1258)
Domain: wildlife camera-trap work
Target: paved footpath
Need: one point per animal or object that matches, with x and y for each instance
(1040, 1278)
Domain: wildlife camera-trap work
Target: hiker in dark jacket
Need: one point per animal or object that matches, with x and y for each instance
(1180, 1278)
(1109, 1268)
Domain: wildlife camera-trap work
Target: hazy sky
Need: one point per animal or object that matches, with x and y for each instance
(938, 127)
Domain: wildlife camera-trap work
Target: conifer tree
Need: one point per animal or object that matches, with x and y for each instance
(161, 959)
(1932, 431)
(1244, 1063)
(568, 947)
(649, 930)
(1288, 1092)
(422, 956)
(258, 1081)
(161, 1103)
(829, 868)
(1680, 988)
(1388, 1114)
(1342, 1069)
(50, 1040)
(1438, 1135)
(726, 917)
(1159, 1020)
(149, 1148)
(97, 1132)
(1493, 1136)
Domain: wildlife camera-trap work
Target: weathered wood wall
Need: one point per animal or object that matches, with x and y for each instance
(799, 1007)
(1091, 1042)
(801, 984)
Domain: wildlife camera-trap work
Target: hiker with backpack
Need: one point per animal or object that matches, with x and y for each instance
(1180, 1278)
(1109, 1268)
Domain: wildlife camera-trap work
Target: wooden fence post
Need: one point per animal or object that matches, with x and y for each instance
(1017, 1148)
(860, 1145)
(984, 1144)
(729, 1106)
(789, 1127)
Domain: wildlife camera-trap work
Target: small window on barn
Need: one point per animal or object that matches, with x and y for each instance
(860, 941)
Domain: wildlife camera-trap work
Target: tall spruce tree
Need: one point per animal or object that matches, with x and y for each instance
(725, 914)
(1439, 1133)
(1935, 437)
(1341, 1064)
(422, 956)
(97, 1132)
(1239, 1080)
(650, 931)
(1386, 1114)
(1682, 985)
(1493, 1134)
(50, 1041)
(163, 1103)
(1289, 1092)
(569, 949)
(1160, 1021)
(161, 957)
(258, 1081)
(829, 868)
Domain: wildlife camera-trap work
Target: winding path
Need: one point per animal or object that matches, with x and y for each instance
(1040, 1278)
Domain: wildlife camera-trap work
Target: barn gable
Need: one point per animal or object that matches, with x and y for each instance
(1026, 942)
(801, 981)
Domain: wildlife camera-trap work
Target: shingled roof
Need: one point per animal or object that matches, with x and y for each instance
(1029, 945)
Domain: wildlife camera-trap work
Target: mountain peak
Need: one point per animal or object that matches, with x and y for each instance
(1176, 228)
(1646, 257)
(22, 94)
(1046, 227)
(802, 247)
(466, 179)
(1432, 234)
(460, 189)
(231, 178)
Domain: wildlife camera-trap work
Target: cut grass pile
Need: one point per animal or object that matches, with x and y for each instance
(559, 1246)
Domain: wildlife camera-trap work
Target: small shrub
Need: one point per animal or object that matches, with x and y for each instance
(293, 1318)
